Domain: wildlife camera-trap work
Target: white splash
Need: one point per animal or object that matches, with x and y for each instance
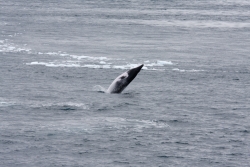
(99, 88)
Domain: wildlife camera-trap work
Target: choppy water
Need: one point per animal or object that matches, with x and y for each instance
(189, 106)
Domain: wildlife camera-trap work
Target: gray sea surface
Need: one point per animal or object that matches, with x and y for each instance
(189, 105)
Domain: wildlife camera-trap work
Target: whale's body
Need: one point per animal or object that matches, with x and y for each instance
(123, 80)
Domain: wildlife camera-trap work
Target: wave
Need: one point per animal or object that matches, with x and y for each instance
(98, 62)
(101, 65)
(6, 46)
(82, 61)
(53, 64)
(70, 60)
(182, 70)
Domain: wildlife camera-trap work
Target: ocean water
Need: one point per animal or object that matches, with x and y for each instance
(189, 106)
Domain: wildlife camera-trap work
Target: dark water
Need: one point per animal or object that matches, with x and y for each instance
(189, 106)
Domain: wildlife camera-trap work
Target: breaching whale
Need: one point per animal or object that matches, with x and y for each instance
(123, 80)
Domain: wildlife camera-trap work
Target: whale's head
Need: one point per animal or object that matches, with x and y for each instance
(123, 80)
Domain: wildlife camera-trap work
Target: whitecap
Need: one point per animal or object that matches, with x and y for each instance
(193, 70)
(106, 66)
(51, 53)
(51, 64)
(91, 66)
(182, 70)
(102, 62)
(160, 62)
(119, 67)
(64, 54)
(177, 69)
(88, 57)
(78, 57)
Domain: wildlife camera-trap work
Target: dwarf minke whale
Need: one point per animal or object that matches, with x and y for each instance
(123, 80)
